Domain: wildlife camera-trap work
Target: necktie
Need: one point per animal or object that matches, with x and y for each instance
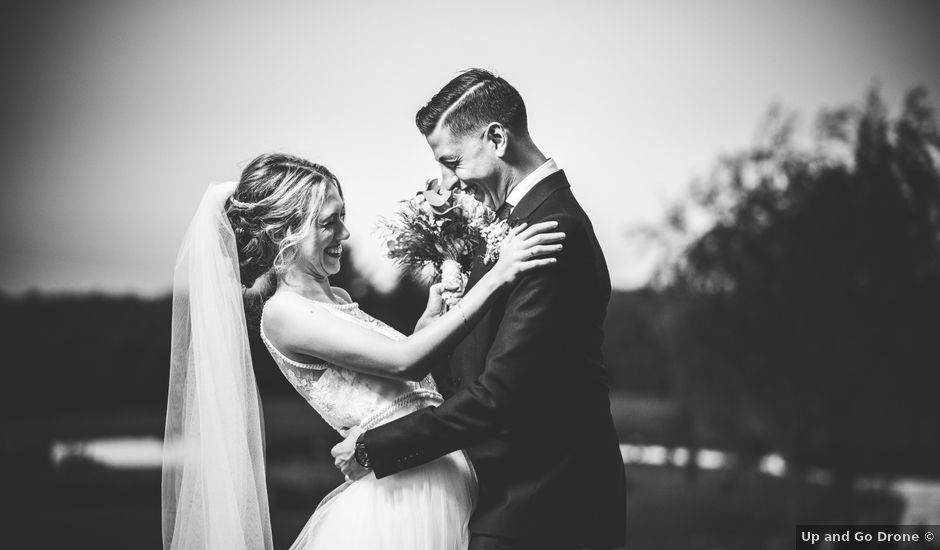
(502, 213)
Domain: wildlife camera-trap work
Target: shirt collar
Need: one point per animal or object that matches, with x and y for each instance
(546, 169)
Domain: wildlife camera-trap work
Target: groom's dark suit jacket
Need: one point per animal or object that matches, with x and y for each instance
(531, 403)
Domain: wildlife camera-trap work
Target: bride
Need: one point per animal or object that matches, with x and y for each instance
(280, 229)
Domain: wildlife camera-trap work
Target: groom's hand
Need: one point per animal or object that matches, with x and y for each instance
(344, 455)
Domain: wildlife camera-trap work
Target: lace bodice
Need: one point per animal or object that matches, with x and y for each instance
(346, 398)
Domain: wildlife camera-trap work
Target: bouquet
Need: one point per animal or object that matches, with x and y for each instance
(436, 235)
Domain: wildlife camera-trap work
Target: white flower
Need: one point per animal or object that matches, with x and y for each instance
(429, 271)
(494, 234)
(472, 209)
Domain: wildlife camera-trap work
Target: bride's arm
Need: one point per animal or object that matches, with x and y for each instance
(304, 328)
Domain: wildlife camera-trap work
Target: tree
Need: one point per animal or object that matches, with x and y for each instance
(819, 287)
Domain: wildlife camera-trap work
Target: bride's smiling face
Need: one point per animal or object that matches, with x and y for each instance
(321, 251)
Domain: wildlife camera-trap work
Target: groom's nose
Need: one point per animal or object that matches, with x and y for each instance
(449, 179)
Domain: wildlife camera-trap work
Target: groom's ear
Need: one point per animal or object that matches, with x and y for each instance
(497, 137)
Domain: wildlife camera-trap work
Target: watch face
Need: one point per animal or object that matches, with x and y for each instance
(360, 455)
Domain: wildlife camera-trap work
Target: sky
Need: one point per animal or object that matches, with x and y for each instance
(117, 114)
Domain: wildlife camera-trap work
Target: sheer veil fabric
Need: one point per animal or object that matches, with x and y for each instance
(214, 490)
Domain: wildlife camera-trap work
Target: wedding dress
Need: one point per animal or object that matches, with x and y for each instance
(424, 508)
(214, 491)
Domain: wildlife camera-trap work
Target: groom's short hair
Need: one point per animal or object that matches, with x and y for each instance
(473, 99)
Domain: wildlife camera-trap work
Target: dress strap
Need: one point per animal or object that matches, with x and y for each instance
(284, 358)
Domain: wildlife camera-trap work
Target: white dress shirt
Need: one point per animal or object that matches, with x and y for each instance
(523, 187)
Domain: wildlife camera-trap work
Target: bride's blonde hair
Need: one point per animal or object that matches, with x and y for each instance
(272, 211)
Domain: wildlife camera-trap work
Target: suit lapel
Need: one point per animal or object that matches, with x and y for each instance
(477, 271)
(470, 356)
(537, 195)
(541, 191)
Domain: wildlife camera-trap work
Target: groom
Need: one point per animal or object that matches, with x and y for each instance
(531, 403)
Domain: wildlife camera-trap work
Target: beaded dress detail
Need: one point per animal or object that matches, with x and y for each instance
(346, 398)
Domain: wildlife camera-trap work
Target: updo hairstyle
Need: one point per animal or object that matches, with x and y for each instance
(272, 210)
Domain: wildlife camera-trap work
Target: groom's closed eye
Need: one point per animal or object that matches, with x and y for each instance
(449, 162)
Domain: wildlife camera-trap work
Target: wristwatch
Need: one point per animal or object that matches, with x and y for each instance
(362, 457)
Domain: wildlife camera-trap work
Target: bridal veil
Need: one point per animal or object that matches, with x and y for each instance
(214, 491)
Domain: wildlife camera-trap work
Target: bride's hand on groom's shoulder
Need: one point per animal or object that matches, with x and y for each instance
(526, 248)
